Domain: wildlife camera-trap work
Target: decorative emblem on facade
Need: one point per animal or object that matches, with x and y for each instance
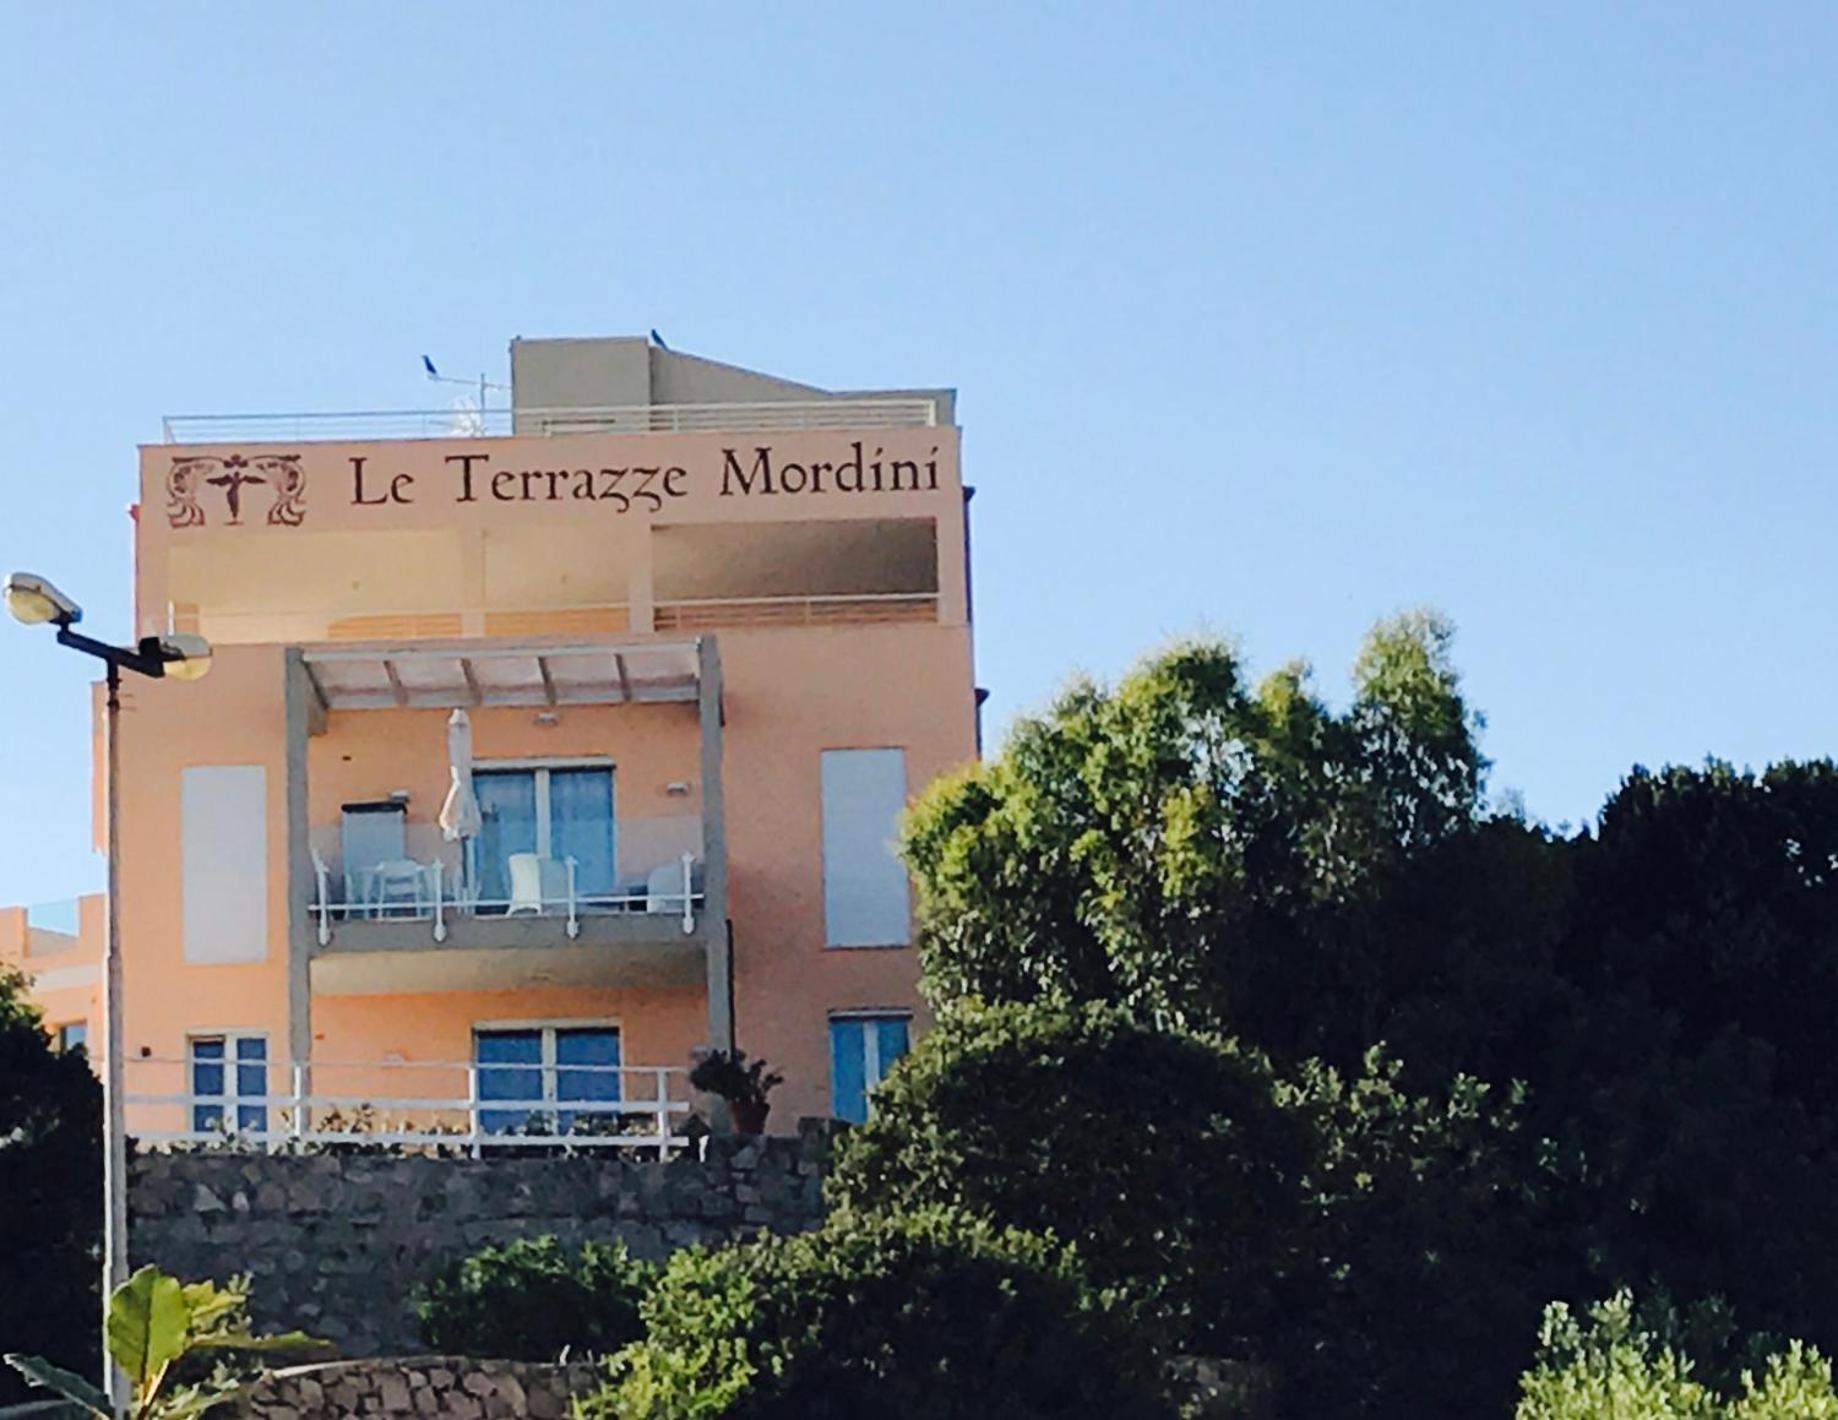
(190, 475)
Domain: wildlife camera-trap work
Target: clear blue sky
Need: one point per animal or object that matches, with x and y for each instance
(1266, 318)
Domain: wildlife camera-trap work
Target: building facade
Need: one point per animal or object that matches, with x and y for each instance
(541, 748)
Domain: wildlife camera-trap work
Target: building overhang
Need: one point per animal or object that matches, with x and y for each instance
(471, 674)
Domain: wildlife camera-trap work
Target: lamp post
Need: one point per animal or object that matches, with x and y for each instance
(177, 656)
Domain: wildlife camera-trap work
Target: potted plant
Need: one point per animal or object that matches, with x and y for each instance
(742, 1083)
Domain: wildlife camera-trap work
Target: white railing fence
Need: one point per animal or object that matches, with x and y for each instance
(460, 1108)
(464, 421)
(658, 871)
(428, 903)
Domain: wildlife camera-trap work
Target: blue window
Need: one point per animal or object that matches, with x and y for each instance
(543, 1070)
(74, 1036)
(510, 1068)
(863, 1049)
(229, 1082)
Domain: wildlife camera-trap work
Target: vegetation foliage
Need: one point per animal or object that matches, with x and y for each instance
(184, 1347)
(1616, 1364)
(916, 1314)
(533, 1299)
(51, 1183)
(1601, 1058)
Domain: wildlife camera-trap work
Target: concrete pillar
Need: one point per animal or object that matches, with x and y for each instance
(714, 852)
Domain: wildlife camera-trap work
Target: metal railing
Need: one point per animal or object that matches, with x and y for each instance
(427, 896)
(644, 1112)
(468, 422)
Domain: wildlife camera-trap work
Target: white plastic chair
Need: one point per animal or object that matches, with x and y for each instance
(536, 883)
(400, 882)
(664, 888)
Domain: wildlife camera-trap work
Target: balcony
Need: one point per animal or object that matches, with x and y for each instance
(430, 915)
(467, 422)
(593, 852)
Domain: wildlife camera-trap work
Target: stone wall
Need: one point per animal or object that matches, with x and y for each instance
(337, 1243)
(433, 1386)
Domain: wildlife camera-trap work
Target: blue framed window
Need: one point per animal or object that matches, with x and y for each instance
(863, 1048)
(541, 1071)
(74, 1036)
(229, 1083)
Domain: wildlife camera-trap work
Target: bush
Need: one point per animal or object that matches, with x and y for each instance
(1164, 1157)
(531, 1299)
(926, 1315)
(1619, 1363)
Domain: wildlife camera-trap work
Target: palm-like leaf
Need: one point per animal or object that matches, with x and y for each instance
(148, 1324)
(68, 1384)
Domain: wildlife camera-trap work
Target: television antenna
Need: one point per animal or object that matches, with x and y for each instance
(468, 418)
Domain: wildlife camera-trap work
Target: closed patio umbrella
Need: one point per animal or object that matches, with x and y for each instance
(460, 821)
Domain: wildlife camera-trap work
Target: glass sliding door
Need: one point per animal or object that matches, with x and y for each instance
(507, 815)
(554, 1066)
(556, 812)
(581, 826)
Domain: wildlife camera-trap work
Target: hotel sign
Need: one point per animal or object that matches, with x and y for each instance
(231, 489)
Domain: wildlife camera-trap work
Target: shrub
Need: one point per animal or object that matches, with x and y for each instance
(1163, 1156)
(924, 1315)
(529, 1300)
(1618, 1362)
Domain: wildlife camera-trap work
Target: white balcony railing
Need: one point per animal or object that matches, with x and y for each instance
(436, 882)
(413, 1105)
(467, 422)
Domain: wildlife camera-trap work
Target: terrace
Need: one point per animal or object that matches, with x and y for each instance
(592, 855)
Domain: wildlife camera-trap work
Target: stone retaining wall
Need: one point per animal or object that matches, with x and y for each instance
(337, 1243)
(433, 1386)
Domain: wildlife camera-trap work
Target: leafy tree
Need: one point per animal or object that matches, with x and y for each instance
(1691, 1091)
(1165, 1157)
(531, 1299)
(51, 1181)
(1430, 1224)
(915, 1315)
(1148, 845)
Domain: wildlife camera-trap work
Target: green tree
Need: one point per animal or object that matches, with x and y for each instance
(1148, 845)
(909, 1317)
(51, 1181)
(1165, 1157)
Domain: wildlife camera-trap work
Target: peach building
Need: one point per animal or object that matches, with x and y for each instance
(541, 747)
(58, 948)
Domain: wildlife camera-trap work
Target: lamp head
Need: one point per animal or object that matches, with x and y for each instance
(33, 601)
(187, 656)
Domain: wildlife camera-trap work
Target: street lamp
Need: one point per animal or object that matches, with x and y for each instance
(176, 656)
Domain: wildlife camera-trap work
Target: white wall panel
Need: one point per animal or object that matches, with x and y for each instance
(223, 845)
(866, 899)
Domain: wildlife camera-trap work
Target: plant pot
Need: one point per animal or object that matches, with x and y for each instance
(750, 1117)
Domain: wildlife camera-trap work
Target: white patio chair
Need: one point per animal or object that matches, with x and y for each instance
(537, 883)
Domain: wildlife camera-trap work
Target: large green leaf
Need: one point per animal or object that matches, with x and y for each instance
(208, 1303)
(69, 1384)
(147, 1325)
(308, 1347)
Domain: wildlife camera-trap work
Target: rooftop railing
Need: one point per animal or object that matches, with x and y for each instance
(466, 422)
